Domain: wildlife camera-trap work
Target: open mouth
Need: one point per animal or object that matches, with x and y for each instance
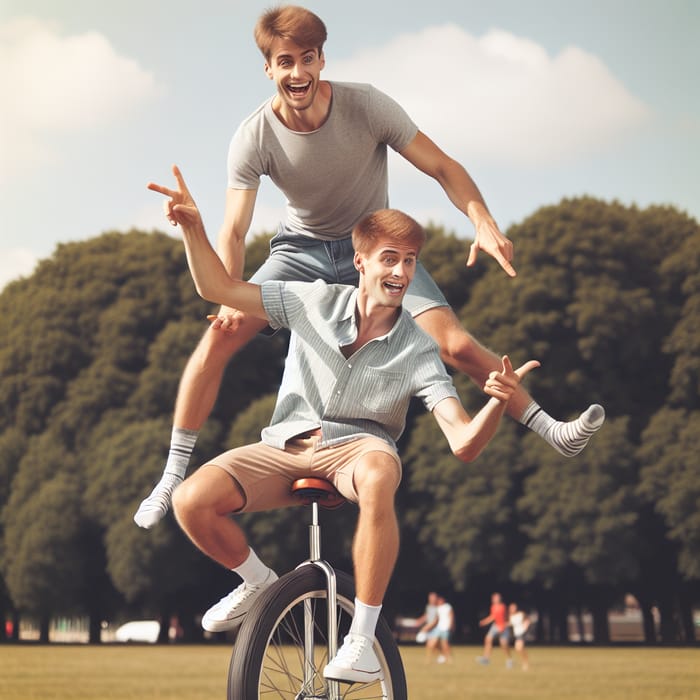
(394, 288)
(299, 90)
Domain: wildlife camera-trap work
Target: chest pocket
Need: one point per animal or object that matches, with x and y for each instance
(382, 391)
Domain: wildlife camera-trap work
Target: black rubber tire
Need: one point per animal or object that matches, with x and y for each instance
(267, 660)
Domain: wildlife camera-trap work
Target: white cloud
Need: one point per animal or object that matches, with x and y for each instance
(60, 84)
(16, 263)
(499, 97)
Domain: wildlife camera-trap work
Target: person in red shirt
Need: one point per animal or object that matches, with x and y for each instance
(498, 629)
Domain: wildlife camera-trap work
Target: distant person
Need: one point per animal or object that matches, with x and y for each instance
(439, 630)
(324, 144)
(426, 622)
(519, 623)
(445, 627)
(497, 622)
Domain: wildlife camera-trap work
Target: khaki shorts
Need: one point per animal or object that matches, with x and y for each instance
(265, 474)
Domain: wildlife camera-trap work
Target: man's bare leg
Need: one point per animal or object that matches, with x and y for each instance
(376, 542)
(202, 505)
(375, 548)
(199, 387)
(463, 352)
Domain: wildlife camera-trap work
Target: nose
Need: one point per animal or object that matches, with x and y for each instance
(399, 270)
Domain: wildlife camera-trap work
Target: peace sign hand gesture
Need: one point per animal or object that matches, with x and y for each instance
(180, 208)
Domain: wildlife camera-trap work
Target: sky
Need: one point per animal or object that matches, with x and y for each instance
(540, 100)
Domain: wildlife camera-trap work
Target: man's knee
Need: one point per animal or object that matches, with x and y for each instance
(376, 478)
(185, 501)
(209, 490)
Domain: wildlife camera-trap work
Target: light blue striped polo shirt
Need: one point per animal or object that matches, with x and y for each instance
(366, 394)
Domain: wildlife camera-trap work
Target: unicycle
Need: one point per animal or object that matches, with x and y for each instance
(294, 627)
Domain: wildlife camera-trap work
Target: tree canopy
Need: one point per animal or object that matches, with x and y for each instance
(607, 297)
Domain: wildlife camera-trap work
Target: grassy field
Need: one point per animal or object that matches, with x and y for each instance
(56, 672)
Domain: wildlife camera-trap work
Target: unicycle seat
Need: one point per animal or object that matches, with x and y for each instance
(312, 489)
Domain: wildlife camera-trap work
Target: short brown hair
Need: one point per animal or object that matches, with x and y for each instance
(300, 25)
(387, 223)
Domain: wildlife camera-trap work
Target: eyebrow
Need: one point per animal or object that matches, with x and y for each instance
(394, 251)
(306, 52)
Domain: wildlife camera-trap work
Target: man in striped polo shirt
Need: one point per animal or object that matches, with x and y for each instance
(356, 359)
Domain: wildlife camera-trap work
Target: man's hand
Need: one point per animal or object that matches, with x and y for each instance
(227, 320)
(180, 207)
(489, 238)
(501, 385)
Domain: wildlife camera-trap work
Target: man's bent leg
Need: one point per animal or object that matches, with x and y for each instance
(199, 387)
(202, 506)
(462, 351)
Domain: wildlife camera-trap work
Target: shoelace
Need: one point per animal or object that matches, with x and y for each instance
(353, 650)
(239, 594)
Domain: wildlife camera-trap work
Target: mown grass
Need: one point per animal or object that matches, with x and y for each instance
(57, 672)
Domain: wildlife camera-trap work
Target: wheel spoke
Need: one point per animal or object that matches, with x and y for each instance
(269, 658)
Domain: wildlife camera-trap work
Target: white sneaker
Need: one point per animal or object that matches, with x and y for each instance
(229, 612)
(355, 662)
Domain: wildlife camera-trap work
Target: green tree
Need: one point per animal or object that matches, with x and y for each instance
(600, 289)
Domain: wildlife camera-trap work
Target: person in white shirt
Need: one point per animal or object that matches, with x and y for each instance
(520, 623)
(440, 631)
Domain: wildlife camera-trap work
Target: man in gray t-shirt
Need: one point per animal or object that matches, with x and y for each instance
(358, 358)
(324, 144)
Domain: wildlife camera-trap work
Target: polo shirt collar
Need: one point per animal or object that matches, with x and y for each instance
(346, 326)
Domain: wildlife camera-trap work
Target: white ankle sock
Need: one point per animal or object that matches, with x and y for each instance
(252, 570)
(365, 619)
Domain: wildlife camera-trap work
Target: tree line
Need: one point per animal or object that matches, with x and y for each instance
(607, 297)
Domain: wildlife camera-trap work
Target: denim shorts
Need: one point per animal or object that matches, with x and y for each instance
(501, 634)
(298, 257)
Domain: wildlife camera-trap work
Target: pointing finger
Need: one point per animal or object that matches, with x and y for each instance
(527, 367)
(160, 189)
(180, 180)
(507, 365)
(505, 264)
(473, 252)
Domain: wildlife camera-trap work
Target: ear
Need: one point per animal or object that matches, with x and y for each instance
(322, 58)
(268, 70)
(358, 262)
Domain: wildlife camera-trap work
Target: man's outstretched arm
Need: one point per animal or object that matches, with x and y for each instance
(211, 279)
(464, 194)
(468, 436)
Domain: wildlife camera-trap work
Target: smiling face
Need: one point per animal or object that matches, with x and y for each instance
(296, 72)
(387, 270)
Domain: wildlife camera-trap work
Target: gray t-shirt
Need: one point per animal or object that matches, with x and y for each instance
(331, 177)
(365, 394)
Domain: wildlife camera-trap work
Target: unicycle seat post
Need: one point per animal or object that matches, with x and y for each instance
(314, 491)
(314, 534)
